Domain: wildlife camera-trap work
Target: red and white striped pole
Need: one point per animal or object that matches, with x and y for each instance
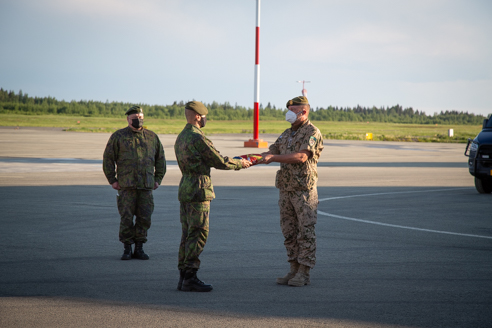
(257, 73)
(256, 141)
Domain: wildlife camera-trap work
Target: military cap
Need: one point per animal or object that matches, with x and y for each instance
(301, 100)
(197, 107)
(134, 110)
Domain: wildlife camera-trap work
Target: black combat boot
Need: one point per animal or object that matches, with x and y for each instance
(181, 277)
(127, 254)
(191, 283)
(139, 252)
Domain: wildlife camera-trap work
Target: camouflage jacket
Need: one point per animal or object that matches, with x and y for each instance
(301, 176)
(196, 155)
(138, 157)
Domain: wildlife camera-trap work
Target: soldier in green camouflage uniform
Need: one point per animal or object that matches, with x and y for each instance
(134, 164)
(297, 150)
(196, 155)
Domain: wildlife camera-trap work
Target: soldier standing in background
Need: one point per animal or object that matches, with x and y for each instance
(140, 164)
(196, 155)
(297, 150)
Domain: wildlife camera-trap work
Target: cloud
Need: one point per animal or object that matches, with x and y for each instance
(167, 19)
(387, 31)
(372, 42)
(449, 95)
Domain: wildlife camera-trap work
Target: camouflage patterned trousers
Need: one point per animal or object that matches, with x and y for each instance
(297, 219)
(138, 203)
(194, 225)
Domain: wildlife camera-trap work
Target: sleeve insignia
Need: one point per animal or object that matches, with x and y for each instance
(312, 141)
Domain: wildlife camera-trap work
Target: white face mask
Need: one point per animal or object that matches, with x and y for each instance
(291, 117)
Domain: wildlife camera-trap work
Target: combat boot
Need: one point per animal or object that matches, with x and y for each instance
(301, 278)
(181, 277)
(139, 252)
(127, 254)
(191, 283)
(294, 266)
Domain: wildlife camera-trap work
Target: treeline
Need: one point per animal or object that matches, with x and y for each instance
(395, 114)
(22, 103)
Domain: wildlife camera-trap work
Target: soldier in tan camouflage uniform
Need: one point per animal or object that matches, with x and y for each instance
(134, 164)
(297, 150)
(196, 155)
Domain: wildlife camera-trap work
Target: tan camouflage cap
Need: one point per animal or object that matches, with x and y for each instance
(301, 100)
(134, 110)
(197, 107)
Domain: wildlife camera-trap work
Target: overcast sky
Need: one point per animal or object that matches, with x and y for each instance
(431, 55)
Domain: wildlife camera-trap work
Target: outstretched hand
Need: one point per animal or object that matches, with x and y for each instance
(245, 164)
(267, 158)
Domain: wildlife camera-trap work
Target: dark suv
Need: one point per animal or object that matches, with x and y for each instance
(480, 157)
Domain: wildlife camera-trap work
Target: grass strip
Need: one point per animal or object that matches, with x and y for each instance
(329, 129)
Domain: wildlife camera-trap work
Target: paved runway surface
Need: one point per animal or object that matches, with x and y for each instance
(404, 240)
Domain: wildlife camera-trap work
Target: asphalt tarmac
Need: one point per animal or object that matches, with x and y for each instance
(404, 240)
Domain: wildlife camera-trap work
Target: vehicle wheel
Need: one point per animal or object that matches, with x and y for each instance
(484, 186)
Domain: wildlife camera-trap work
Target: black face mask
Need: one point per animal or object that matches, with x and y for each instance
(203, 121)
(137, 123)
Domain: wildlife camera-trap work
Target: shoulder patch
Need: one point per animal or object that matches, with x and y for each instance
(312, 141)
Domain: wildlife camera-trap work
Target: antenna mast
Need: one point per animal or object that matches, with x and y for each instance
(304, 91)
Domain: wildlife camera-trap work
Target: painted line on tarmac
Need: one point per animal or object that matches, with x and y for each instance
(390, 193)
(396, 225)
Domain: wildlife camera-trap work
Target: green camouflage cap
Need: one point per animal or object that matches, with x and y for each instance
(134, 110)
(301, 100)
(197, 107)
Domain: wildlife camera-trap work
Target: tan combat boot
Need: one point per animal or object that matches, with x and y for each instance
(301, 278)
(294, 266)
